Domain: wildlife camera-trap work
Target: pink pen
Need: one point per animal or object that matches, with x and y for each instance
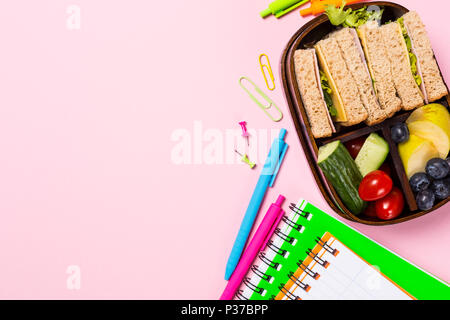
(257, 244)
(245, 133)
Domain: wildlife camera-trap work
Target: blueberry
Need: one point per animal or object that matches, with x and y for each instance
(448, 161)
(420, 181)
(425, 200)
(447, 181)
(437, 168)
(441, 189)
(400, 133)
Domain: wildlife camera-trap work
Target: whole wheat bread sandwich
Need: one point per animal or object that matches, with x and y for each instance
(310, 88)
(344, 88)
(379, 67)
(353, 54)
(406, 78)
(416, 38)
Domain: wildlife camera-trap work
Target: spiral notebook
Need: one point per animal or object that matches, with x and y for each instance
(314, 256)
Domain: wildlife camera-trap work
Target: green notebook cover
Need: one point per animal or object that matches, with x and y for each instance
(415, 281)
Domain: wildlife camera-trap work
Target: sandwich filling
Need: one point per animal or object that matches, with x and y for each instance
(322, 94)
(362, 34)
(360, 45)
(433, 85)
(379, 67)
(345, 91)
(327, 94)
(355, 60)
(412, 56)
(309, 86)
(333, 93)
(350, 18)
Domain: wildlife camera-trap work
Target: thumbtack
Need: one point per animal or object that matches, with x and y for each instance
(245, 133)
(245, 159)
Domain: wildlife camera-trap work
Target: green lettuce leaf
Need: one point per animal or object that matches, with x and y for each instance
(412, 56)
(349, 18)
(337, 15)
(330, 105)
(327, 94)
(324, 82)
(359, 17)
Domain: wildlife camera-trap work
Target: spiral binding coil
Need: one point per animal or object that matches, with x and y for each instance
(299, 211)
(325, 245)
(261, 274)
(251, 286)
(307, 270)
(284, 236)
(298, 282)
(287, 293)
(314, 256)
(317, 259)
(292, 224)
(272, 246)
(267, 261)
(240, 294)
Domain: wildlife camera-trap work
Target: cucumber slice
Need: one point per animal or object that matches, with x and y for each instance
(326, 150)
(372, 155)
(341, 171)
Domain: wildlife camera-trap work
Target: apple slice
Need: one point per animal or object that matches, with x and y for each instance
(438, 115)
(435, 134)
(415, 153)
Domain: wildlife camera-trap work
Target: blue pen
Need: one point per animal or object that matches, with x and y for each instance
(266, 180)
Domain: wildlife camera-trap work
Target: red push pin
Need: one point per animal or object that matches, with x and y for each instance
(245, 133)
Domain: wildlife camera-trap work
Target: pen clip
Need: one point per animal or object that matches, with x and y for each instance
(263, 106)
(272, 229)
(277, 169)
(281, 13)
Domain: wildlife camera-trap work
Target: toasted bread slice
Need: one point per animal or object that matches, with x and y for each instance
(353, 54)
(379, 67)
(306, 70)
(407, 88)
(434, 84)
(330, 57)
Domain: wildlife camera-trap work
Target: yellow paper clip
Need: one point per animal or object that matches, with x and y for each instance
(263, 106)
(268, 68)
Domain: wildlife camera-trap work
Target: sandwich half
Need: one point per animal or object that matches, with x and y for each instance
(379, 67)
(404, 77)
(309, 85)
(433, 85)
(345, 94)
(353, 54)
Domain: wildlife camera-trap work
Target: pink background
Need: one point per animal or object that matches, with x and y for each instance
(86, 119)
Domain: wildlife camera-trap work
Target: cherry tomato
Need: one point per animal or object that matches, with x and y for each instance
(375, 185)
(355, 146)
(371, 211)
(386, 168)
(391, 206)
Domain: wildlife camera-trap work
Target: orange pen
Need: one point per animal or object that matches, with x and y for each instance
(318, 6)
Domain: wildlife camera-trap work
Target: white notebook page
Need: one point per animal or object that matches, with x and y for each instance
(346, 276)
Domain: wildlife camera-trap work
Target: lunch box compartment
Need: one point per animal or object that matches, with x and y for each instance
(306, 37)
